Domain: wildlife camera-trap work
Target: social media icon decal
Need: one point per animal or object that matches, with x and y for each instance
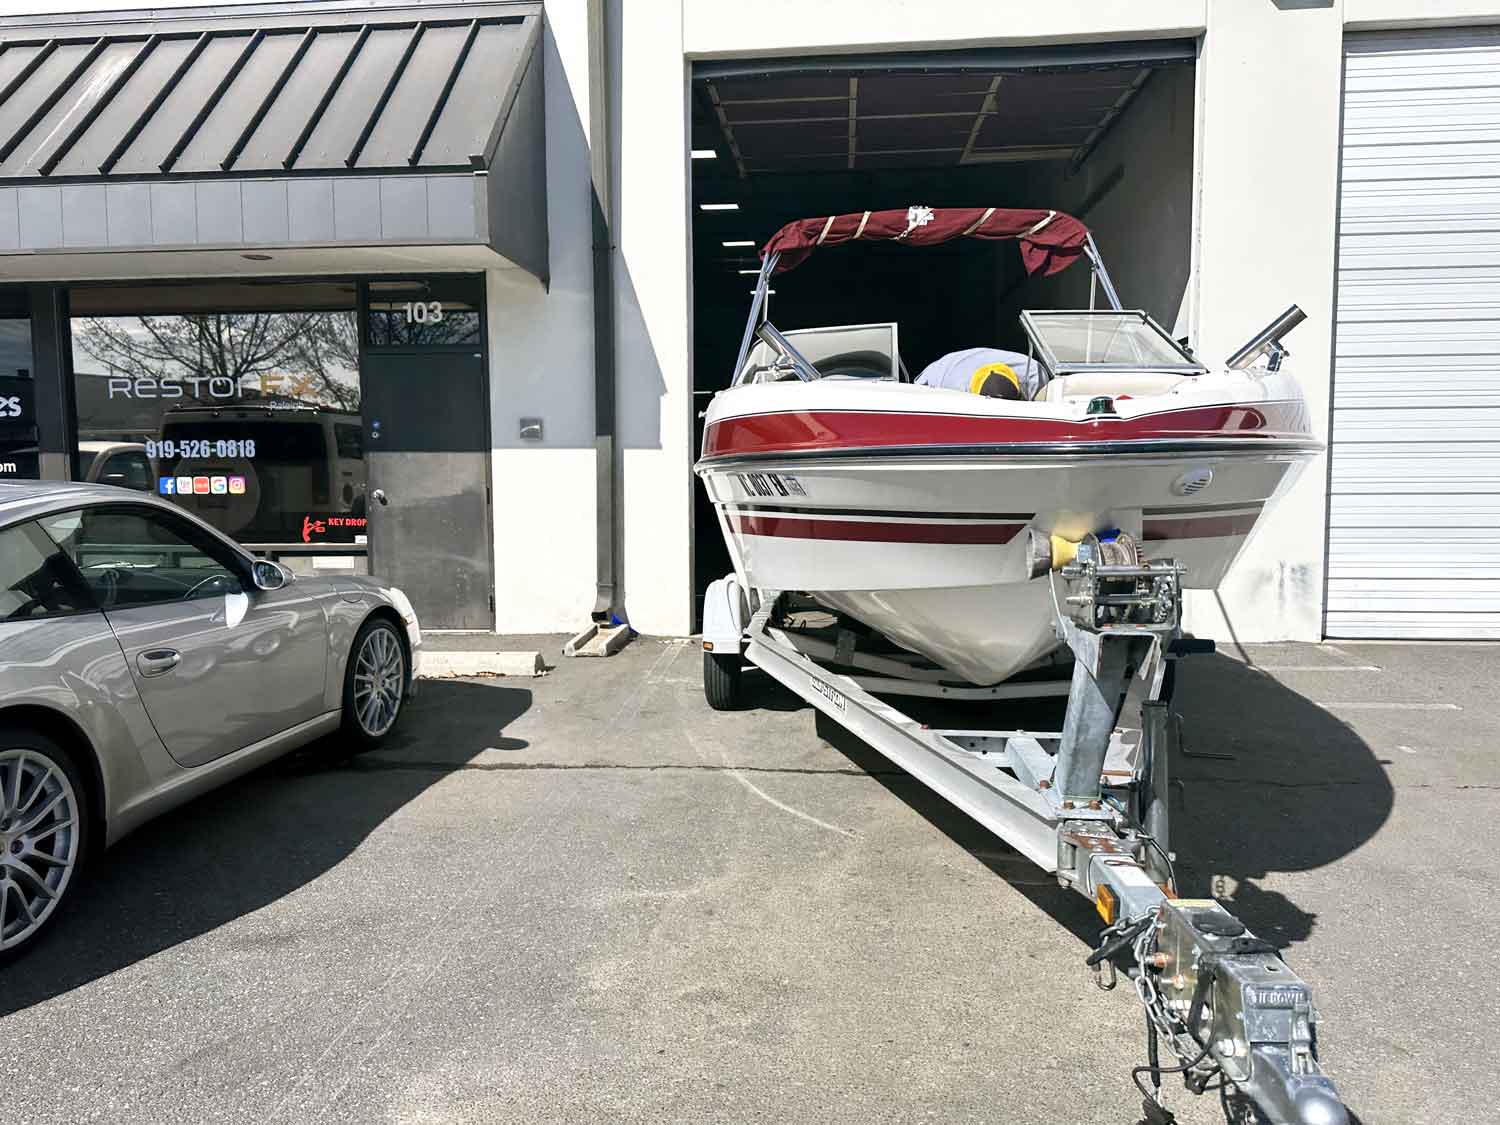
(236, 486)
(219, 485)
(184, 486)
(167, 486)
(200, 486)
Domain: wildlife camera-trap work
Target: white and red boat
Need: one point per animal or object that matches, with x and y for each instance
(934, 516)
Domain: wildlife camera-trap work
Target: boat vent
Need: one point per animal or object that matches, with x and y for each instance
(1193, 482)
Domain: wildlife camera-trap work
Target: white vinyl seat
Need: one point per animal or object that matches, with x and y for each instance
(1090, 384)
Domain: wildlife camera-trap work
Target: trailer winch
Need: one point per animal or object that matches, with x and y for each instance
(1088, 803)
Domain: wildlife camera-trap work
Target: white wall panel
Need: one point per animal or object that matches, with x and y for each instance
(1414, 486)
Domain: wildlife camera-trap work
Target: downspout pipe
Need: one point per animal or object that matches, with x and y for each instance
(606, 598)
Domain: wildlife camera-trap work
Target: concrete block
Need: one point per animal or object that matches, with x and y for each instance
(597, 641)
(450, 665)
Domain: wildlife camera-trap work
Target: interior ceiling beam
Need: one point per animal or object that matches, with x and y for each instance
(1017, 153)
(1111, 115)
(986, 108)
(863, 117)
(782, 101)
(727, 130)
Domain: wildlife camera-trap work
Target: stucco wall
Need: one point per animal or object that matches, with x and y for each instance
(541, 363)
(791, 27)
(1269, 81)
(653, 319)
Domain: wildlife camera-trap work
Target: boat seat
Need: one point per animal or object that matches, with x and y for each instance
(1089, 384)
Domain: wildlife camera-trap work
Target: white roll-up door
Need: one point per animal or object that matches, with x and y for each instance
(1414, 503)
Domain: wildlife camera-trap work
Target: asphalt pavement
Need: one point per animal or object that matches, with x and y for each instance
(586, 897)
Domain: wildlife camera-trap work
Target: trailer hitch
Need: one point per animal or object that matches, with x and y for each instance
(1227, 1005)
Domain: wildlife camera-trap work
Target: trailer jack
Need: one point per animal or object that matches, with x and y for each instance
(1089, 803)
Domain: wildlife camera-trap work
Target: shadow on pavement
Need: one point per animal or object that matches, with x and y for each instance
(254, 841)
(759, 692)
(1301, 791)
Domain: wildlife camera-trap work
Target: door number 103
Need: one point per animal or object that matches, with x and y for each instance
(423, 312)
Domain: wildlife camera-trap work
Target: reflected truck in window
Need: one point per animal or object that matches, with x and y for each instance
(277, 461)
(124, 464)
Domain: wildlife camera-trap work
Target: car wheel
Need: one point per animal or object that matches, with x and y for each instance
(43, 832)
(375, 683)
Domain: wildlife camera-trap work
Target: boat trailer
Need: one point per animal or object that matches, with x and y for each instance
(1089, 803)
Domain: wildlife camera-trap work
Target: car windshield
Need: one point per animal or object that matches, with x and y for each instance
(1129, 339)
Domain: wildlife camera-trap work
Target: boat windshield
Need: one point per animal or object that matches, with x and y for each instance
(850, 351)
(1070, 340)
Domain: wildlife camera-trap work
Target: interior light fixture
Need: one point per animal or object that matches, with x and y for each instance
(718, 206)
(705, 154)
(734, 243)
(752, 272)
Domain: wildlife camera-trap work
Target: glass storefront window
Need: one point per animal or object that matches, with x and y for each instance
(18, 448)
(226, 401)
(437, 312)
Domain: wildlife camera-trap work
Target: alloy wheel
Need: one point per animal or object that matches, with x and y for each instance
(379, 682)
(39, 836)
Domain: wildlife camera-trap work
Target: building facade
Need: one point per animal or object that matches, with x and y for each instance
(326, 272)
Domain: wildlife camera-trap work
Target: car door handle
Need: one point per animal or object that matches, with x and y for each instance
(158, 661)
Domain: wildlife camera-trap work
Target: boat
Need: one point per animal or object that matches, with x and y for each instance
(937, 517)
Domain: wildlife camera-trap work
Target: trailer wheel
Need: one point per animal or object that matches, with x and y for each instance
(721, 680)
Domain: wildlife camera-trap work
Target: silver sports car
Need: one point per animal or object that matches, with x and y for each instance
(145, 658)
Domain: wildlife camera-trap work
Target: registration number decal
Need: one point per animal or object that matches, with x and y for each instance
(836, 698)
(771, 484)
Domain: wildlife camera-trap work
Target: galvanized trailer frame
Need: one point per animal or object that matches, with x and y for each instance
(1089, 804)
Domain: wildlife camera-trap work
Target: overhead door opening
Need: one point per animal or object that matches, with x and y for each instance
(1104, 133)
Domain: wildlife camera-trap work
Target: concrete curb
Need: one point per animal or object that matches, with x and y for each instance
(448, 665)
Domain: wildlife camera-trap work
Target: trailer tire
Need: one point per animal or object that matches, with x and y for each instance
(721, 680)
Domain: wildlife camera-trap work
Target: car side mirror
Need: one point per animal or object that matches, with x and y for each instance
(268, 575)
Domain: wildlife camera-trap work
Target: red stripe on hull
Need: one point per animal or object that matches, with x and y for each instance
(875, 531)
(796, 431)
(1202, 527)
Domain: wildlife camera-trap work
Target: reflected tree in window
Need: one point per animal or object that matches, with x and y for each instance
(309, 357)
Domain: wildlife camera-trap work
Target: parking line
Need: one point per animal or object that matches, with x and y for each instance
(1363, 705)
(1316, 667)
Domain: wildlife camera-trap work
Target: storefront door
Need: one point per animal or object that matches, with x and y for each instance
(426, 452)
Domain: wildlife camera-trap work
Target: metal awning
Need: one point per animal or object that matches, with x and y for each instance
(287, 124)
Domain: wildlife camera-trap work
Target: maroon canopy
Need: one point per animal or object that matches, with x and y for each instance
(1049, 240)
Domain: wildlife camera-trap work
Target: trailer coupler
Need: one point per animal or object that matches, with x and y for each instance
(1233, 1014)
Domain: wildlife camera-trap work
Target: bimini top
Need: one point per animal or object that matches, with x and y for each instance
(1050, 240)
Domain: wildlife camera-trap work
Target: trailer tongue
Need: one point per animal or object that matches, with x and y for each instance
(1088, 803)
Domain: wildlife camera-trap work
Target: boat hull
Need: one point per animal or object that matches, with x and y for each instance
(927, 541)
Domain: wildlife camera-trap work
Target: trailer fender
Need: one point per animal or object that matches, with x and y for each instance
(725, 612)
